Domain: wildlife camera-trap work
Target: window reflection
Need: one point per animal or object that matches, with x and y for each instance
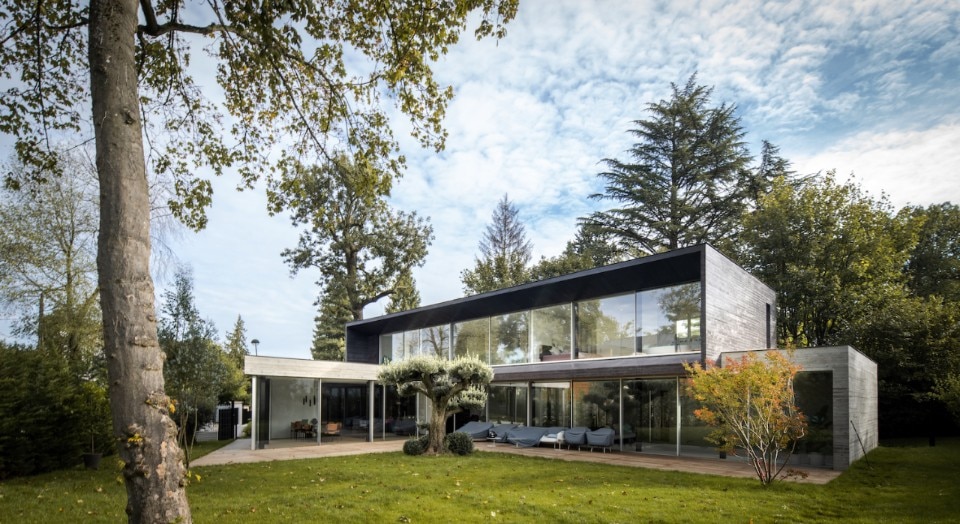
(551, 333)
(510, 335)
(435, 341)
(472, 338)
(669, 319)
(605, 327)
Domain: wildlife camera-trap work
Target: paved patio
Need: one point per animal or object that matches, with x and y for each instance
(239, 452)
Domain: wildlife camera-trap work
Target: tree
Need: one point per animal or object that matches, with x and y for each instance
(360, 246)
(833, 254)
(48, 255)
(197, 372)
(285, 80)
(504, 253)
(236, 350)
(684, 183)
(329, 338)
(934, 265)
(752, 404)
(590, 248)
(451, 386)
(405, 296)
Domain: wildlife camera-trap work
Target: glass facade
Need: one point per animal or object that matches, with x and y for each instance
(605, 327)
(472, 339)
(507, 404)
(648, 322)
(550, 404)
(650, 415)
(510, 338)
(551, 332)
(668, 319)
(435, 341)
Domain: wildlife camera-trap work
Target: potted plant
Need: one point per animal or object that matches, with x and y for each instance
(95, 418)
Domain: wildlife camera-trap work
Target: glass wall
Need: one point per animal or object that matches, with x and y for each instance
(596, 404)
(654, 321)
(551, 333)
(814, 394)
(472, 338)
(510, 338)
(668, 319)
(650, 415)
(435, 341)
(507, 404)
(693, 431)
(606, 326)
(411, 343)
(550, 404)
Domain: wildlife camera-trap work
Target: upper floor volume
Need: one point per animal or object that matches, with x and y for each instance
(640, 317)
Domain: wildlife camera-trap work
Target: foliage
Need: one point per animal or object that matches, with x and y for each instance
(48, 417)
(685, 181)
(294, 78)
(752, 404)
(504, 253)
(362, 249)
(458, 443)
(197, 371)
(405, 296)
(934, 265)
(236, 350)
(834, 255)
(48, 239)
(414, 446)
(591, 247)
(947, 390)
(451, 386)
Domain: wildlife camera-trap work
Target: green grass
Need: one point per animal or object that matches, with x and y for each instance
(894, 484)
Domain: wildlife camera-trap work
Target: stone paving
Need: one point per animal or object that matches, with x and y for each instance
(239, 452)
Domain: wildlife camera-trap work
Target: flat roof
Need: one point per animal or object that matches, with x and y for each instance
(304, 368)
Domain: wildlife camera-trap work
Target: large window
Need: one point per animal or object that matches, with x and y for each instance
(411, 343)
(551, 333)
(507, 404)
(550, 404)
(605, 327)
(596, 404)
(472, 338)
(510, 338)
(650, 415)
(668, 319)
(435, 341)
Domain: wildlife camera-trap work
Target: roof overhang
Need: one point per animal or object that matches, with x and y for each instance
(303, 368)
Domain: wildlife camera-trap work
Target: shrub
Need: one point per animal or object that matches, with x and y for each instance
(414, 446)
(459, 443)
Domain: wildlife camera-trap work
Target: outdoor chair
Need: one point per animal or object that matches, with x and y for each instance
(601, 438)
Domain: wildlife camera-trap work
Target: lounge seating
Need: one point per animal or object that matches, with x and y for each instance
(405, 427)
(575, 437)
(331, 429)
(601, 438)
(552, 437)
(477, 430)
(526, 436)
(498, 433)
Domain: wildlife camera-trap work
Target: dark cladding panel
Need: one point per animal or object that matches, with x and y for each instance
(362, 348)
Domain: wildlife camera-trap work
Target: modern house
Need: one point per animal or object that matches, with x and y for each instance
(598, 348)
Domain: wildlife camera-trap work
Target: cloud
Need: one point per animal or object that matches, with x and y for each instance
(917, 167)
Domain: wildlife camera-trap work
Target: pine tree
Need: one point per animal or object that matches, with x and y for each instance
(505, 253)
(685, 181)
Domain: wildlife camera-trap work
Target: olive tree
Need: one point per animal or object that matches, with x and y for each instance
(451, 386)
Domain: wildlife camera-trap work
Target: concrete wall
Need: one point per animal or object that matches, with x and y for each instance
(734, 307)
(854, 398)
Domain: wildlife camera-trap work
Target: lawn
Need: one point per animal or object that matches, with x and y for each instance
(894, 484)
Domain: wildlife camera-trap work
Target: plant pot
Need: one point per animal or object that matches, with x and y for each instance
(92, 460)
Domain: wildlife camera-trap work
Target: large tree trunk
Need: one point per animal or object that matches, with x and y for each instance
(153, 469)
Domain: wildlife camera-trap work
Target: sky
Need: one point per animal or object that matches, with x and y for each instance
(868, 88)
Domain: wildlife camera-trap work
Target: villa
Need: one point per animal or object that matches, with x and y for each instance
(602, 348)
